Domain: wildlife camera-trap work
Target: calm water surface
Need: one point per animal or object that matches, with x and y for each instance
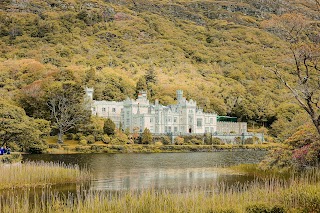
(115, 172)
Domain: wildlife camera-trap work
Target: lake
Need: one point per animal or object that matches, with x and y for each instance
(116, 172)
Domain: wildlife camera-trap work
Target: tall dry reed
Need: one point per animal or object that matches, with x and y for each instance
(298, 194)
(40, 173)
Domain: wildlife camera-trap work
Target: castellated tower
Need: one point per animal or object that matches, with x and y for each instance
(89, 93)
(179, 95)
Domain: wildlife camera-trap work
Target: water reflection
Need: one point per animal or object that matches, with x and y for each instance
(115, 172)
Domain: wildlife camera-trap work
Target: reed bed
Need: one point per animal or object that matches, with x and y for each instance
(298, 194)
(31, 174)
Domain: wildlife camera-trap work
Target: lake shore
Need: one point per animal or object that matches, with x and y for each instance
(71, 148)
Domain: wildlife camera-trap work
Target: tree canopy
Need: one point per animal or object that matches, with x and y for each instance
(17, 128)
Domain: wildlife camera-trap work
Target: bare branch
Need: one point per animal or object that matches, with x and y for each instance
(295, 94)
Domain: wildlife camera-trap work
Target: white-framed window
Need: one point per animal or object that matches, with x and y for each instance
(113, 109)
(103, 109)
(199, 122)
(175, 129)
(211, 120)
(175, 119)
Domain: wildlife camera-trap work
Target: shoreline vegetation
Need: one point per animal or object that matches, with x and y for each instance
(33, 174)
(298, 193)
(72, 147)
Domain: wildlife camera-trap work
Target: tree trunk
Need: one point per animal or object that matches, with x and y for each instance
(317, 124)
(60, 137)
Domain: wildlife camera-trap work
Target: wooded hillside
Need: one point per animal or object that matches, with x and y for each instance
(218, 52)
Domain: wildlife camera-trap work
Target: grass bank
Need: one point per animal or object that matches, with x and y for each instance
(32, 174)
(298, 194)
(71, 146)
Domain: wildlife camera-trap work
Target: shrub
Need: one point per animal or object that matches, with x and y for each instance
(158, 143)
(14, 147)
(216, 141)
(90, 139)
(109, 127)
(166, 140)
(37, 148)
(54, 146)
(97, 148)
(83, 142)
(98, 137)
(277, 159)
(69, 136)
(196, 141)
(105, 139)
(12, 158)
(248, 141)
(261, 208)
(83, 149)
(146, 136)
(237, 140)
(178, 140)
(78, 136)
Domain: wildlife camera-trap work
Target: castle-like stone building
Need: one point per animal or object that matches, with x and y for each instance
(182, 118)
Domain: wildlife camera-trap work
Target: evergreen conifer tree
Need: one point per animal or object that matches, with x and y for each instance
(146, 136)
(109, 127)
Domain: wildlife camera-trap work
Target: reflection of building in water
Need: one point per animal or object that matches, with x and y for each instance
(150, 178)
(184, 117)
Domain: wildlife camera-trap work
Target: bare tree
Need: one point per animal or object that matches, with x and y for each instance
(67, 107)
(303, 38)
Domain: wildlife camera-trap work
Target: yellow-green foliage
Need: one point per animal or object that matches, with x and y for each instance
(300, 194)
(33, 174)
(216, 51)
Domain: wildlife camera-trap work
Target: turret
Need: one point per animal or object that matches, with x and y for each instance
(89, 93)
(142, 95)
(179, 95)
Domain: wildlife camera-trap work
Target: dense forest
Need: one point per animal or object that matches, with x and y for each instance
(221, 53)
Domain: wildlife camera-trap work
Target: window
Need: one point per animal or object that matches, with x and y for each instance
(151, 120)
(113, 109)
(169, 129)
(199, 122)
(93, 109)
(175, 119)
(211, 120)
(103, 109)
(207, 129)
